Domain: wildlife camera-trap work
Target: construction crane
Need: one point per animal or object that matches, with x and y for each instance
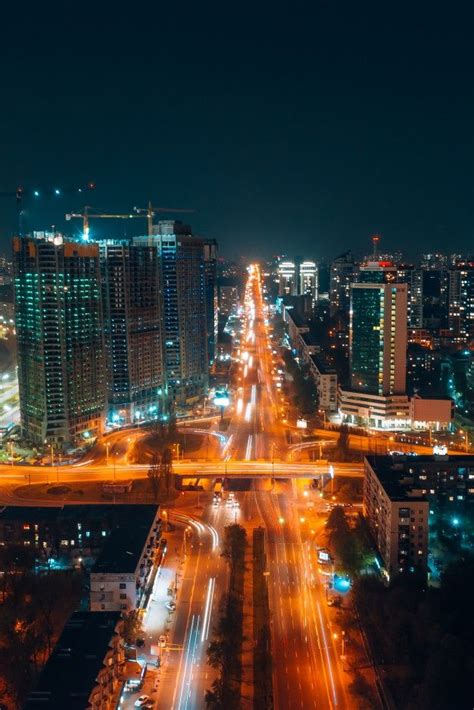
(138, 213)
(86, 215)
(21, 193)
(151, 211)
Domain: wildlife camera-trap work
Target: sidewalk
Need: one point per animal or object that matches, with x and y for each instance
(158, 620)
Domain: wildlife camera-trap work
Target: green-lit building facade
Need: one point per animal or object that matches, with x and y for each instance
(58, 315)
(378, 338)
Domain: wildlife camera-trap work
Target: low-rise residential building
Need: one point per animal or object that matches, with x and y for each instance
(325, 379)
(70, 530)
(296, 325)
(121, 574)
(397, 515)
(399, 493)
(84, 669)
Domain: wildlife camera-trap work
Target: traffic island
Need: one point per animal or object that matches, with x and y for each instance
(262, 657)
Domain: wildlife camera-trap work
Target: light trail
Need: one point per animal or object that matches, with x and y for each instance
(248, 411)
(215, 537)
(208, 609)
(253, 396)
(201, 528)
(191, 644)
(228, 443)
(240, 405)
(248, 450)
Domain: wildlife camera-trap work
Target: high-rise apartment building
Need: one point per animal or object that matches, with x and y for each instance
(133, 331)
(287, 278)
(58, 319)
(228, 297)
(413, 278)
(184, 308)
(342, 274)
(308, 280)
(461, 302)
(210, 276)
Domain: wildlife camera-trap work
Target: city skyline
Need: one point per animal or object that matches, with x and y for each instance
(236, 356)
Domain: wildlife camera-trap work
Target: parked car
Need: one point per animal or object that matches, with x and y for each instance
(142, 701)
(170, 605)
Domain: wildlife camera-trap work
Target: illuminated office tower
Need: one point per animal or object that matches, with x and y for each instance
(378, 338)
(133, 331)
(378, 346)
(58, 319)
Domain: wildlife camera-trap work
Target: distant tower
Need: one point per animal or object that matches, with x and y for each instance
(375, 243)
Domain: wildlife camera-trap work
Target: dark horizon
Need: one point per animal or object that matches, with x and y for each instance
(305, 132)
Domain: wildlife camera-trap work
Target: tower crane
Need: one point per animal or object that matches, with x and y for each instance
(86, 215)
(138, 213)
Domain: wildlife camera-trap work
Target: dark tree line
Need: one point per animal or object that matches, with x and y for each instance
(160, 473)
(224, 651)
(304, 396)
(35, 608)
(352, 546)
(423, 638)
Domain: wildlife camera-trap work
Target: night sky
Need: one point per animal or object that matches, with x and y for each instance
(297, 127)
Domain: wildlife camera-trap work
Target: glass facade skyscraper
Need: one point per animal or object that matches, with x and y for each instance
(378, 338)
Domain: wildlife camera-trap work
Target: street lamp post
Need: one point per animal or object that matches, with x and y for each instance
(466, 439)
(187, 530)
(343, 643)
(107, 445)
